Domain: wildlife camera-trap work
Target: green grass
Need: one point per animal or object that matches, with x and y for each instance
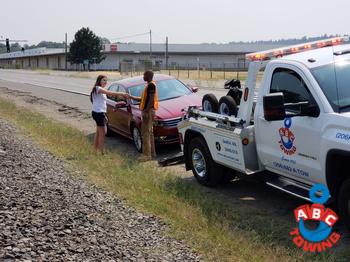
(220, 229)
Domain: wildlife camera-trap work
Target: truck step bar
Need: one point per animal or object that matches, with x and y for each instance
(290, 187)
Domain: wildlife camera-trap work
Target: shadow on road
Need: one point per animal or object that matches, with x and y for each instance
(120, 143)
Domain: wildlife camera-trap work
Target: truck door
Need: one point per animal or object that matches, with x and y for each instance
(291, 147)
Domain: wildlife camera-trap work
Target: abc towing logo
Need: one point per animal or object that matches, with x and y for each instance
(322, 237)
(287, 138)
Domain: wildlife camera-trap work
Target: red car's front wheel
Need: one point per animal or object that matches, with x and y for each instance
(136, 136)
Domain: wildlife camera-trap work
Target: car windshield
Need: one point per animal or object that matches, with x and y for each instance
(334, 79)
(167, 89)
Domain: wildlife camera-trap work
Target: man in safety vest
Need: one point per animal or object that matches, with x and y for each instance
(148, 106)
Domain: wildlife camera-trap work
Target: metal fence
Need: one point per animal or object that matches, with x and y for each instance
(190, 71)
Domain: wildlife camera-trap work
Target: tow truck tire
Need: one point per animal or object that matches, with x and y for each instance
(204, 169)
(210, 103)
(228, 106)
(344, 203)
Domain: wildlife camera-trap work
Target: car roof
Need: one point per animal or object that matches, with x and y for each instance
(320, 56)
(138, 80)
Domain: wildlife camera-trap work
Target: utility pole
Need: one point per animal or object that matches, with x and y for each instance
(166, 53)
(150, 44)
(65, 52)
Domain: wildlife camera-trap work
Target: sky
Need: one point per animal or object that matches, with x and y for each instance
(183, 21)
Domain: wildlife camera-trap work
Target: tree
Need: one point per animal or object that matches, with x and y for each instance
(105, 40)
(86, 46)
(49, 44)
(15, 47)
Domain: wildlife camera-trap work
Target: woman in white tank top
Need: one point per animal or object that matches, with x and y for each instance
(98, 97)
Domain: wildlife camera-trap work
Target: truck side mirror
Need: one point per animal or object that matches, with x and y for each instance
(274, 108)
(311, 109)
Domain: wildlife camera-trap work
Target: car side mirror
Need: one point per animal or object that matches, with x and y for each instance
(194, 89)
(274, 108)
(120, 104)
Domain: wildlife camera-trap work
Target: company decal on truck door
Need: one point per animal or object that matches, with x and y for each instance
(343, 136)
(287, 138)
(289, 165)
(227, 149)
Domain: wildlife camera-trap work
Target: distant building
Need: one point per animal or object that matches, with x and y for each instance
(134, 55)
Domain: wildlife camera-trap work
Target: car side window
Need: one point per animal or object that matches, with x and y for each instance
(291, 85)
(113, 88)
(136, 91)
(120, 89)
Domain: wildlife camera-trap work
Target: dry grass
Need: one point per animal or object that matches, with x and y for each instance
(205, 74)
(202, 75)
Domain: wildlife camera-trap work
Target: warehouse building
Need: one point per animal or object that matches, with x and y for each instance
(122, 56)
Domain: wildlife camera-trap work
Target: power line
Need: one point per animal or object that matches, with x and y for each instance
(3, 40)
(129, 36)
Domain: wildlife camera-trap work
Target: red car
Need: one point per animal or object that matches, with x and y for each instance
(124, 117)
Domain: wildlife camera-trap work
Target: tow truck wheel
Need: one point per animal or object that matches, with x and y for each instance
(136, 136)
(344, 203)
(205, 170)
(227, 106)
(210, 103)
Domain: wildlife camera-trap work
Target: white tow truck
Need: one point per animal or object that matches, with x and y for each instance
(293, 129)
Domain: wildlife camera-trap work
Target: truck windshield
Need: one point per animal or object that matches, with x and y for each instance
(334, 80)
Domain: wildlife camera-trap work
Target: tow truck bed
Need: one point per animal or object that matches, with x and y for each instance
(229, 143)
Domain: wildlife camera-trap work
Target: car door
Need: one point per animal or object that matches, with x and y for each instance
(122, 115)
(111, 102)
(291, 146)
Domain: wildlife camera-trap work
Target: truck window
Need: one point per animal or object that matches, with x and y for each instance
(290, 84)
(334, 81)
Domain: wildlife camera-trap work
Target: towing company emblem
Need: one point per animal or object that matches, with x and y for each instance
(321, 237)
(287, 138)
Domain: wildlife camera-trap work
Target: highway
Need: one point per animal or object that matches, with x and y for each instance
(76, 85)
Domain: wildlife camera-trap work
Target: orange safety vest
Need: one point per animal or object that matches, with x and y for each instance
(144, 97)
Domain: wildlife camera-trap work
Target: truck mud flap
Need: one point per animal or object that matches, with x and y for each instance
(172, 160)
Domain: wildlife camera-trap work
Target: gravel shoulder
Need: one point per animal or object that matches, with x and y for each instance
(48, 215)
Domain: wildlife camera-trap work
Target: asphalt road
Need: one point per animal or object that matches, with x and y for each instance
(80, 86)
